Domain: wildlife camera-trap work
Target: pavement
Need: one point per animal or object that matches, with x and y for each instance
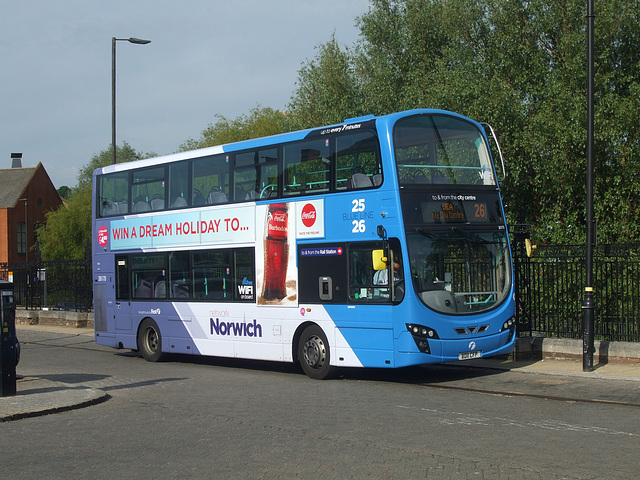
(566, 367)
(38, 396)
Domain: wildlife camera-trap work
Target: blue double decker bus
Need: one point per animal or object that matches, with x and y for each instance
(378, 242)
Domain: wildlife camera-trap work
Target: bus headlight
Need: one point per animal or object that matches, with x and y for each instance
(509, 325)
(421, 335)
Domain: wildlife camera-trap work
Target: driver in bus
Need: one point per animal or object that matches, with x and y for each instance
(381, 277)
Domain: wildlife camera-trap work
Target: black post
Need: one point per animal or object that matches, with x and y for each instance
(9, 347)
(588, 305)
(113, 100)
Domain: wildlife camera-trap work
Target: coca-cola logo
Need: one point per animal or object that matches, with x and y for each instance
(308, 215)
(279, 217)
(277, 224)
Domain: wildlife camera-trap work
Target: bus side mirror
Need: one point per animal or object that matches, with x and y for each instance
(529, 247)
(378, 260)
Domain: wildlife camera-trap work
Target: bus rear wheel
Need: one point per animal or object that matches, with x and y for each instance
(313, 353)
(150, 340)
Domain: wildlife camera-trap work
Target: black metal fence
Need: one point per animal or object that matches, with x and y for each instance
(59, 284)
(550, 290)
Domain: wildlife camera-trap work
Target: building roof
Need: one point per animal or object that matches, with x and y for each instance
(13, 182)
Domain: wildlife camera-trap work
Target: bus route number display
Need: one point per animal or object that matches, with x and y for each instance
(455, 209)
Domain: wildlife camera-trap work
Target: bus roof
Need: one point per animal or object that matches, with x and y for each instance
(268, 140)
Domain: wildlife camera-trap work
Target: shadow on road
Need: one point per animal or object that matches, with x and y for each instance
(423, 374)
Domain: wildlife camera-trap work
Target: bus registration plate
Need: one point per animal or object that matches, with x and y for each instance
(469, 355)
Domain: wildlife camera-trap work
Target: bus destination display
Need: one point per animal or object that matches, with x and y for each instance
(443, 208)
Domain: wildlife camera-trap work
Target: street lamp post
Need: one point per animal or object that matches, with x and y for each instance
(589, 304)
(137, 41)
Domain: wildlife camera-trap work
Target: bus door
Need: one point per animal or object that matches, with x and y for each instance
(123, 294)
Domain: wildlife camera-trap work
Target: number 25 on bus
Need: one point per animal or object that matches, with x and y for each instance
(379, 242)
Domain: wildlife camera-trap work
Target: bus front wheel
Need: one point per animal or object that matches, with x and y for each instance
(314, 354)
(150, 340)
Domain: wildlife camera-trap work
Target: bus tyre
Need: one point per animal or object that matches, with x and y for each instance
(150, 340)
(313, 353)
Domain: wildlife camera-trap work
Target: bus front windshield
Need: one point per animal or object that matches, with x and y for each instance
(441, 149)
(460, 272)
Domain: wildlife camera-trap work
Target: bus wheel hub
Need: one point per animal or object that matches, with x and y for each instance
(315, 353)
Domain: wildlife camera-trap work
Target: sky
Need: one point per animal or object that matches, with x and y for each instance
(206, 58)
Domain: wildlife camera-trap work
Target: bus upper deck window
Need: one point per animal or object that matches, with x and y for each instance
(114, 194)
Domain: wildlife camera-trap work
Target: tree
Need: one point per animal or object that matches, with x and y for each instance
(67, 231)
(403, 41)
(124, 154)
(64, 192)
(617, 123)
(521, 66)
(327, 91)
(260, 122)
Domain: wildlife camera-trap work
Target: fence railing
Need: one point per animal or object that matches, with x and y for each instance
(550, 290)
(58, 284)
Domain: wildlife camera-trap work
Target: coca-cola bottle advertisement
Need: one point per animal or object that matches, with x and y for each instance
(278, 276)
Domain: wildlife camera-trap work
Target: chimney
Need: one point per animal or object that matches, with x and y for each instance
(16, 160)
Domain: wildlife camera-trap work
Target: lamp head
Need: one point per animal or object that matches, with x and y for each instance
(138, 41)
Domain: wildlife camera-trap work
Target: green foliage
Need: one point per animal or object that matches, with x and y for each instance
(261, 122)
(124, 154)
(68, 229)
(64, 192)
(521, 66)
(327, 91)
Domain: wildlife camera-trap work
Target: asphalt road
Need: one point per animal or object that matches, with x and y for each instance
(212, 418)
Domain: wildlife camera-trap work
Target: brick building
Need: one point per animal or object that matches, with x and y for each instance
(26, 195)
